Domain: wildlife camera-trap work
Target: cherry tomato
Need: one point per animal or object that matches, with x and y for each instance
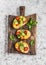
(26, 48)
(17, 18)
(17, 33)
(25, 32)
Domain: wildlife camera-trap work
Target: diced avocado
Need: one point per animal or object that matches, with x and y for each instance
(18, 36)
(15, 21)
(21, 21)
(31, 23)
(24, 18)
(22, 33)
(21, 45)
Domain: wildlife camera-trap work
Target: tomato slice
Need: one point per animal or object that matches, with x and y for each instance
(26, 48)
(17, 18)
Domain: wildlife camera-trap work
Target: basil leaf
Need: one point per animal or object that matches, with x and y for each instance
(34, 23)
(28, 24)
(31, 23)
(32, 42)
(12, 37)
(30, 27)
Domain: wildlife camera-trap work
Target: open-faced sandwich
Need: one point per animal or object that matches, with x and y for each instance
(23, 34)
(22, 47)
(19, 21)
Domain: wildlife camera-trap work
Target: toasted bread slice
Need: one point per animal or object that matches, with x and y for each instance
(19, 22)
(22, 47)
(23, 34)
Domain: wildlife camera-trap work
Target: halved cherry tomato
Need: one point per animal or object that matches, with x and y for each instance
(17, 33)
(25, 32)
(26, 48)
(17, 18)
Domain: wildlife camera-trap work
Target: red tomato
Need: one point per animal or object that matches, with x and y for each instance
(17, 18)
(17, 33)
(26, 48)
(25, 32)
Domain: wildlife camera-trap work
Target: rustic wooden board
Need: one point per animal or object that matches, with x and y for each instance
(11, 31)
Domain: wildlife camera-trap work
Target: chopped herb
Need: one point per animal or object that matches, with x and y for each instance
(21, 44)
(12, 37)
(31, 23)
(32, 42)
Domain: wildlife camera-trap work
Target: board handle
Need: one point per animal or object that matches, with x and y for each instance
(22, 10)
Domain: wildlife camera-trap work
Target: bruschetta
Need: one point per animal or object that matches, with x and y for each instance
(23, 34)
(19, 21)
(22, 47)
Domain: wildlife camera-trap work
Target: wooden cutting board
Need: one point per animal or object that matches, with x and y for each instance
(11, 31)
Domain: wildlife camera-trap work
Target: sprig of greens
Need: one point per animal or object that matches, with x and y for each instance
(12, 37)
(31, 23)
(32, 42)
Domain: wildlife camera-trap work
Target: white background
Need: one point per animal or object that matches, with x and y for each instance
(32, 6)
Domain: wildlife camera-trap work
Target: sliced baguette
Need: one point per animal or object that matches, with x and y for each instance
(19, 25)
(17, 47)
(25, 36)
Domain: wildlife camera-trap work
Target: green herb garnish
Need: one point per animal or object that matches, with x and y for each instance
(12, 37)
(21, 33)
(19, 36)
(32, 42)
(21, 45)
(31, 23)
